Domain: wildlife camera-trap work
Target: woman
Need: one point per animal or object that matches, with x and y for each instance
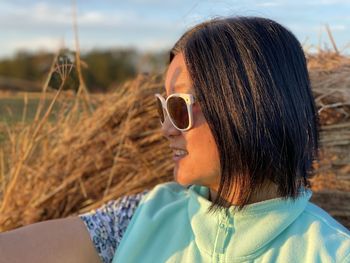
(241, 120)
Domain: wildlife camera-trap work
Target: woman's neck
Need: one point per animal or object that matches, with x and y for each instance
(268, 191)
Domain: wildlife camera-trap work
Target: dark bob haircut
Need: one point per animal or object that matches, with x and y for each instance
(251, 80)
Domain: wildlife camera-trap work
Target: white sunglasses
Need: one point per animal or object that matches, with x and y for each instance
(178, 107)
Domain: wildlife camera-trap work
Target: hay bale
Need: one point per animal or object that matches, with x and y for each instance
(118, 150)
(330, 80)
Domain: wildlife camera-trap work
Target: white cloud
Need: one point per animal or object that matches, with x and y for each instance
(42, 16)
(331, 2)
(316, 28)
(268, 4)
(338, 27)
(33, 44)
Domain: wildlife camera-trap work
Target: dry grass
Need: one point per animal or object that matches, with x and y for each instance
(84, 160)
(330, 78)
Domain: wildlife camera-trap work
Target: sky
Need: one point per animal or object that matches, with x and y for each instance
(155, 25)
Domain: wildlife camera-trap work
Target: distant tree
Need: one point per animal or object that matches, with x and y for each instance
(107, 67)
(25, 65)
(152, 62)
(102, 69)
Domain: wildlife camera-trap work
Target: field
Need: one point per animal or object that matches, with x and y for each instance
(14, 108)
(19, 108)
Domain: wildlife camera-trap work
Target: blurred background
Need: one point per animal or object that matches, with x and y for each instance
(119, 39)
(78, 125)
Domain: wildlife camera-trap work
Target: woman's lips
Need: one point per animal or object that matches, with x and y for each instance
(178, 154)
(178, 158)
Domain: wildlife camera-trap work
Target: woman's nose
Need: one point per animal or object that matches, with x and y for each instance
(168, 129)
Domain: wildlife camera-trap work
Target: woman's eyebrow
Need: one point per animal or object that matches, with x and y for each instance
(177, 88)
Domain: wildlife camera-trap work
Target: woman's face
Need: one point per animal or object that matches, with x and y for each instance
(200, 162)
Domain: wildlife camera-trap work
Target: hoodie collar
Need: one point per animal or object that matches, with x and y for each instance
(241, 235)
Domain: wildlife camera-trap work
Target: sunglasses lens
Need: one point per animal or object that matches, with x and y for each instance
(160, 110)
(177, 109)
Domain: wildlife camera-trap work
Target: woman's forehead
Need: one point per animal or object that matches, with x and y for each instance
(177, 76)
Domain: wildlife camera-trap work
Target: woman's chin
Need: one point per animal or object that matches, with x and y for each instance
(181, 178)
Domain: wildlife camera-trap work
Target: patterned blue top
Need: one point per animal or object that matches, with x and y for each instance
(107, 224)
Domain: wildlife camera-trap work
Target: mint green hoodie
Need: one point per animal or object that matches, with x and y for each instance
(171, 224)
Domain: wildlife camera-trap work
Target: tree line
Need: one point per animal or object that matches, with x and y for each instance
(102, 69)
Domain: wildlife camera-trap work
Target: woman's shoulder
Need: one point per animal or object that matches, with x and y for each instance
(165, 196)
(322, 232)
(317, 216)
